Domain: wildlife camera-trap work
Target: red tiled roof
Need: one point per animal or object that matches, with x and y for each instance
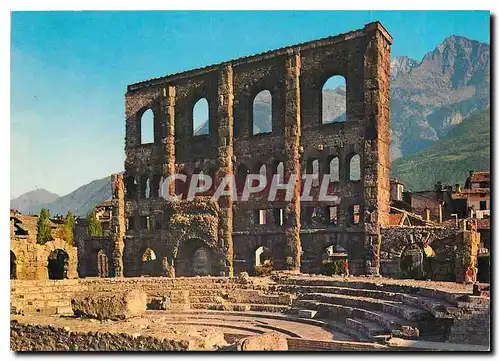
(480, 177)
(395, 219)
(483, 223)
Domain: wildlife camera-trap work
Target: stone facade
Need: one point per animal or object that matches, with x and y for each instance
(31, 261)
(228, 234)
(446, 253)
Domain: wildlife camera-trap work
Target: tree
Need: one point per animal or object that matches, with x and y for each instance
(68, 229)
(94, 228)
(44, 227)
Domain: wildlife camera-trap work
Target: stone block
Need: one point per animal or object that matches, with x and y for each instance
(307, 313)
(114, 306)
(270, 341)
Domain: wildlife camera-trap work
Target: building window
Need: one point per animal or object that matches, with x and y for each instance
(279, 216)
(355, 214)
(147, 127)
(262, 119)
(355, 168)
(334, 100)
(260, 215)
(130, 223)
(334, 169)
(482, 205)
(333, 215)
(201, 118)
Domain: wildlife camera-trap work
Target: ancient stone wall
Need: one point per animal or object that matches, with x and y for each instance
(95, 256)
(30, 260)
(294, 76)
(25, 337)
(447, 252)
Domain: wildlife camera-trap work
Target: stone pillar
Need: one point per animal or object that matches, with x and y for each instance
(376, 160)
(168, 133)
(225, 163)
(292, 159)
(467, 242)
(118, 222)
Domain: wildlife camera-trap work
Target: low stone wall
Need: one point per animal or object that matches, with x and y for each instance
(471, 323)
(300, 344)
(25, 337)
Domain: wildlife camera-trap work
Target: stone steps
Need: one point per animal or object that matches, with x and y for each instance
(370, 329)
(449, 298)
(436, 302)
(240, 307)
(341, 327)
(341, 312)
(397, 308)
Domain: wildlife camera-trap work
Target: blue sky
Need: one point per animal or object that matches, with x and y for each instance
(69, 71)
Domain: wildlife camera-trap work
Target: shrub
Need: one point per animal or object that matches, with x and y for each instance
(264, 270)
(331, 268)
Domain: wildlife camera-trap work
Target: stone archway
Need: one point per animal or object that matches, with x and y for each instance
(13, 266)
(102, 264)
(412, 262)
(58, 263)
(194, 259)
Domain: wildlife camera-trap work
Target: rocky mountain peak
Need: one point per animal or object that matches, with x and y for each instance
(402, 65)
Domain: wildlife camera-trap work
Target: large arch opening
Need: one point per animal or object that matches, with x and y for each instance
(147, 127)
(201, 117)
(411, 262)
(149, 263)
(194, 258)
(13, 266)
(58, 263)
(202, 263)
(262, 119)
(334, 100)
(102, 264)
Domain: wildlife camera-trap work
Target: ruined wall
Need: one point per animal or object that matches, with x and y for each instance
(26, 337)
(294, 76)
(31, 259)
(454, 250)
(90, 258)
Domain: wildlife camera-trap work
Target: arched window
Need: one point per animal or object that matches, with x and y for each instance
(334, 169)
(262, 121)
(148, 189)
(147, 127)
(279, 171)
(333, 100)
(313, 169)
(260, 169)
(355, 168)
(241, 177)
(200, 117)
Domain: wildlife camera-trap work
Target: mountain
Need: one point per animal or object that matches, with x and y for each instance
(27, 200)
(465, 147)
(80, 202)
(402, 65)
(427, 100)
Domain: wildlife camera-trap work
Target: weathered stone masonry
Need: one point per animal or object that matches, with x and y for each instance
(294, 76)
